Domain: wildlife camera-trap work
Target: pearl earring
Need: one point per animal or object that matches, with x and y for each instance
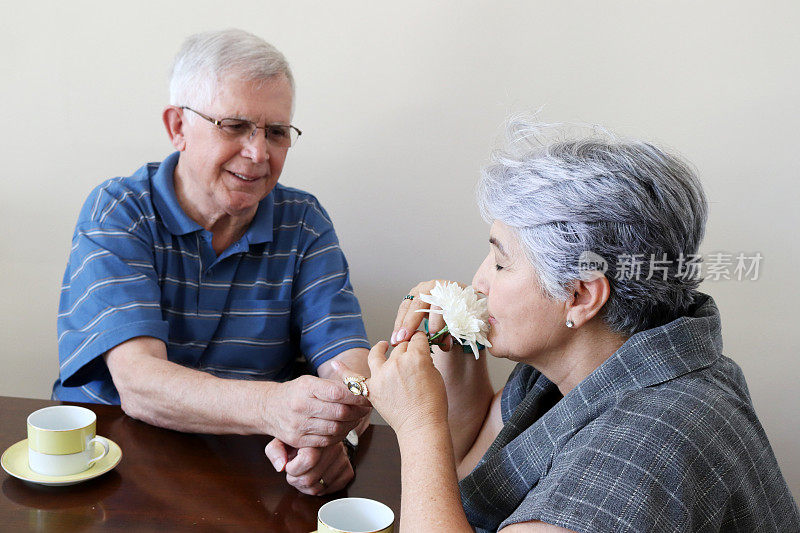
(570, 323)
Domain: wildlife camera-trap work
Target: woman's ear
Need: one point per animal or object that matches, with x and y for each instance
(173, 121)
(588, 297)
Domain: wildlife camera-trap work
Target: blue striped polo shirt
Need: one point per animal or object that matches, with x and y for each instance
(139, 266)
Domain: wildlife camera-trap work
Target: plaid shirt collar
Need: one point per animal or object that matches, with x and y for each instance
(543, 422)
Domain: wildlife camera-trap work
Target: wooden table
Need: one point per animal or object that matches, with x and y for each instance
(171, 481)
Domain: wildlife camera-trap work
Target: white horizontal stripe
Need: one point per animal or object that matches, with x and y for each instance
(254, 312)
(346, 340)
(290, 253)
(327, 318)
(86, 260)
(245, 371)
(233, 340)
(80, 348)
(133, 226)
(328, 248)
(94, 233)
(189, 343)
(302, 225)
(169, 248)
(119, 200)
(307, 202)
(249, 342)
(320, 281)
(175, 281)
(105, 313)
(100, 193)
(95, 396)
(140, 264)
(265, 283)
(103, 283)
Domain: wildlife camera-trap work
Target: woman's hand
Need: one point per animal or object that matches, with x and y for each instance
(408, 318)
(406, 389)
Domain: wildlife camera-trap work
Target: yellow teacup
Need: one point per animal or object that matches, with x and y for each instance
(61, 440)
(355, 515)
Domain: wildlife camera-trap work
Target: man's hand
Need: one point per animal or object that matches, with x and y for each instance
(313, 471)
(313, 412)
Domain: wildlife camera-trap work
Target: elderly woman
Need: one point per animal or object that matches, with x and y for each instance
(622, 414)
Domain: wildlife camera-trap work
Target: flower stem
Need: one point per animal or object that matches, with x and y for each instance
(433, 338)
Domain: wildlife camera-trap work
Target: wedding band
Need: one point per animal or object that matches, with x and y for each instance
(357, 385)
(408, 297)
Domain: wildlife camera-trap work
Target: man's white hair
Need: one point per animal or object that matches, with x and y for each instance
(207, 59)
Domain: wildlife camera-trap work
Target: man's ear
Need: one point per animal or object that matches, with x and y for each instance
(588, 297)
(173, 121)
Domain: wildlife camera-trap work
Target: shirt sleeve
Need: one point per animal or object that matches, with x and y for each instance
(325, 310)
(110, 292)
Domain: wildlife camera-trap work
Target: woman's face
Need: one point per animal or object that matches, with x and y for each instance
(526, 325)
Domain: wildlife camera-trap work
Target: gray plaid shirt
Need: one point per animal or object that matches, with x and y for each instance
(661, 437)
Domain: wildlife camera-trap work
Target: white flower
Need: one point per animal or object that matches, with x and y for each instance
(465, 313)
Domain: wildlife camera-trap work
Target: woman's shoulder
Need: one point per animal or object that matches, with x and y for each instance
(692, 402)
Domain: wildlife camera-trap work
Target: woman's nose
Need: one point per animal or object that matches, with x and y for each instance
(479, 280)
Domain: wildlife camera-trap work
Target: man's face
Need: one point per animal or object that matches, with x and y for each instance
(224, 176)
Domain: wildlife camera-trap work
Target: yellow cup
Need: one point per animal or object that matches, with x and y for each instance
(355, 515)
(61, 440)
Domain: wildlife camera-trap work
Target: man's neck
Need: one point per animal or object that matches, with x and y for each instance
(226, 228)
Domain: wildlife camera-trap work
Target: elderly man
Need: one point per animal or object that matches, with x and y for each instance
(194, 284)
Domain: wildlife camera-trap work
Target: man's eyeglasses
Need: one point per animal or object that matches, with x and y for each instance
(239, 129)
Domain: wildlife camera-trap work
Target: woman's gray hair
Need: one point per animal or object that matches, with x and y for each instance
(565, 194)
(207, 59)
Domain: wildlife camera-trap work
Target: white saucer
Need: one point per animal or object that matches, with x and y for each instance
(15, 462)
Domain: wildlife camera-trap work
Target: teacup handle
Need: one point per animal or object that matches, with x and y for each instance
(102, 442)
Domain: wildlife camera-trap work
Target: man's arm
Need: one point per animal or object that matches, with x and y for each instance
(307, 411)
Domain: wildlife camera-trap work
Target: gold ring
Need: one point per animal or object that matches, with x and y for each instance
(322, 482)
(357, 385)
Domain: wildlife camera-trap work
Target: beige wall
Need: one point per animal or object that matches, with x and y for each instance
(400, 103)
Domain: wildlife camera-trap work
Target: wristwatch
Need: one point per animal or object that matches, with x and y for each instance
(351, 444)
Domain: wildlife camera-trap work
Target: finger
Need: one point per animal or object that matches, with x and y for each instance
(408, 318)
(306, 459)
(447, 345)
(340, 473)
(277, 454)
(329, 429)
(336, 412)
(337, 392)
(335, 473)
(435, 321)
(418, 345)
(377, 358)
(322, 470)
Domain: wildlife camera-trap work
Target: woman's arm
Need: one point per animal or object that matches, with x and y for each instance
(469, 391)
(409, 393)
(489, 430)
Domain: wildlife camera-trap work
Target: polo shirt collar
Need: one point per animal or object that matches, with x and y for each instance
(166, 201)
(178, 222)
(260, 229)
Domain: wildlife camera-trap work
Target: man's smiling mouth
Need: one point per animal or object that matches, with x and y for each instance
(244, 177)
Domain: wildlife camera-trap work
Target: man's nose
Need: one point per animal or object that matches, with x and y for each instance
(256, 147)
